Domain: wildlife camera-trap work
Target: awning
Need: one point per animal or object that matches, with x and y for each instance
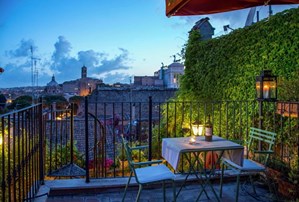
(202, 7)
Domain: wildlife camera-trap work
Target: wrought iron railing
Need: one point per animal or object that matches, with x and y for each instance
(61, 144)
(21, 153)
(149, 122)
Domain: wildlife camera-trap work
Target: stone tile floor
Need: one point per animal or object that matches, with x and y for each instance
(149, 194)
(189, 193)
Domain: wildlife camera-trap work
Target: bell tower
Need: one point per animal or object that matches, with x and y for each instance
(84, 72)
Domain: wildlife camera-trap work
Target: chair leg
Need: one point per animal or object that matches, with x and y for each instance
(237, 188)
(127, 187)
(252, 184)
(139, 192)
(272, 189)
(221, 180)
(173, 189)
(164, 197)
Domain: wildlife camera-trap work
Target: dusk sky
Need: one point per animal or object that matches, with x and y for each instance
(115, 39)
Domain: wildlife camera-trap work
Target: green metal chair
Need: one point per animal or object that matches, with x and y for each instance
(147, 173)
(252, 167)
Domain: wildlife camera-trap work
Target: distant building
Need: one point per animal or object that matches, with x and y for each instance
(83, 86)
(53, 88)
(205, 28)
(147, 81)
(171, 75)
(166, 77)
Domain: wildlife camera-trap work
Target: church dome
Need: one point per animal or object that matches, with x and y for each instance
(52, 82)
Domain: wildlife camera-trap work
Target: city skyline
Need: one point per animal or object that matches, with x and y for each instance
(115, 40)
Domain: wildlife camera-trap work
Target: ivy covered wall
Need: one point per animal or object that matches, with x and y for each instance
(225, 68)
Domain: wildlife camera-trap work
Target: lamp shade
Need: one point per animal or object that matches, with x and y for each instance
(266, 86)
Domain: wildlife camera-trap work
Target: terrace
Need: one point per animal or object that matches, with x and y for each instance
(48, 155)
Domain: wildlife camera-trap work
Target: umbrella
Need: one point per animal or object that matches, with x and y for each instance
(203, 7)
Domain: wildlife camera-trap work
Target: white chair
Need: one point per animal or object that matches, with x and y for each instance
(251, 167)
(149, 174)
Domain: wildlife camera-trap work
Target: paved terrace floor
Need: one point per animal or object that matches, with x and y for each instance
(111, 190)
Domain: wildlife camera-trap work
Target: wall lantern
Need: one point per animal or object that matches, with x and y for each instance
(266, 86)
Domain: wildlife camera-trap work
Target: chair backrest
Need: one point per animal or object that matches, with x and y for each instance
(128, 152)
(129, 155)
(266, 138)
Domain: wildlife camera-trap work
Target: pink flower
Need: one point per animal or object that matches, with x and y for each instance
(108, 163)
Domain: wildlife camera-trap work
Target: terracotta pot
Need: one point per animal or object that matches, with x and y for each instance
(273, 174)
(287, 189)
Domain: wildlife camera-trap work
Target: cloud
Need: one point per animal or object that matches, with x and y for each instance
(114, 77)
(90, 58)
(16, 75)
(62, 49)
(96, 62)
(116, 63)
(64, 66)
(23, 49)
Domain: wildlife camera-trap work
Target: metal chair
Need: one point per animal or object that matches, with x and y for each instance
(146, 173)
(252, 167)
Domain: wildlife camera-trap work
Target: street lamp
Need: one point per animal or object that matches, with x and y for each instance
(266, 90)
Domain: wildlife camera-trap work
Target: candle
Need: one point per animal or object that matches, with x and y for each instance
(192, 140)
(266, 91)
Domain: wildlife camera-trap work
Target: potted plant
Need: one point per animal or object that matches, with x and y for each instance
(122, 157)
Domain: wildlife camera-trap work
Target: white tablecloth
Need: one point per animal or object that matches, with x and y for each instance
(172, 148)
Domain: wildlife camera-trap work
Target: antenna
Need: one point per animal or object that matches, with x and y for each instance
(34, 73)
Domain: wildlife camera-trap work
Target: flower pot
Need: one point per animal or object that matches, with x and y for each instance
(287, 189)
(273, 174)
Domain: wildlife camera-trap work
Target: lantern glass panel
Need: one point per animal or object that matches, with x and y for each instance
(273, 89)
(197, 129)
(258, 89)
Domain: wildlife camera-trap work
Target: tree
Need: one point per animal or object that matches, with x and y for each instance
(2, 101)
(60, 101)
(76, 100)
(21, 102)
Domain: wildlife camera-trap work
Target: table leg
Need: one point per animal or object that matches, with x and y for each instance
(193, 170)
(207, 181)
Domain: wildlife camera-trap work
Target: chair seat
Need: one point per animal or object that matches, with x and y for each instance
(248, 165)
(154, 174)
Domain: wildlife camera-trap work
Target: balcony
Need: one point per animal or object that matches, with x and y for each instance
(42, 149)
